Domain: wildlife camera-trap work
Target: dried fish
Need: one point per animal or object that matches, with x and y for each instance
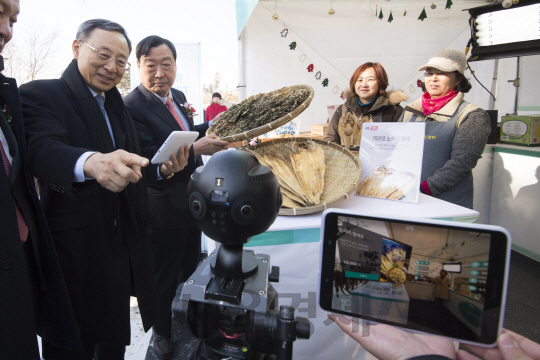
(308, 162)
(354, 123)
(258, 110)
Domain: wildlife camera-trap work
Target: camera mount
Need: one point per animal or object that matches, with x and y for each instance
(229, 302)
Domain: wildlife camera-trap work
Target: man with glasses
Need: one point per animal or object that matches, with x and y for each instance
(83, 148)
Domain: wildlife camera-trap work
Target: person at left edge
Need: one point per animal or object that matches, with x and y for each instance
(157, 110)
(83, 148)
(33, 295)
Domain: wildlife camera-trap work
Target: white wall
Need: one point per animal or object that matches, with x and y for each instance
(347, 39)
(353, 36)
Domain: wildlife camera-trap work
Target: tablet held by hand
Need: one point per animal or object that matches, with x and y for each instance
(174, 142)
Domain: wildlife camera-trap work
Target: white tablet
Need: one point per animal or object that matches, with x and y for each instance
(174, 142)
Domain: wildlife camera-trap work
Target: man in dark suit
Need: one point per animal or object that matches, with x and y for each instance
(157, 110)
(32, 291)
(83, 148)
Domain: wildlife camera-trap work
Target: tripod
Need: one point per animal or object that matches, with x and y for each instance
(230, 304)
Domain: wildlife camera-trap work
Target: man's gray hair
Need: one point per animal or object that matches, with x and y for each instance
(87, 27)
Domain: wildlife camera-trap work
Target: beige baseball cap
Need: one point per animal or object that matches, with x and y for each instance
(447, 61)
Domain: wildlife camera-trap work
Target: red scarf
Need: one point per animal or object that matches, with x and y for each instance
(429, 105)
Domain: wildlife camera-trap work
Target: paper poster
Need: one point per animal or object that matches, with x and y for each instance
(391, 157)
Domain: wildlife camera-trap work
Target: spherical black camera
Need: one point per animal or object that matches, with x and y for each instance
(233, 197)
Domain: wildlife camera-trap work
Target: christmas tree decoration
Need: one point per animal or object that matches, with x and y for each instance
(405, 13)
(284, 32)
(381, 15)
(292, 45)
(433, 6)
(449, 4)
(376, 10)
(419, 83)
(390, 18)
(331, 11)
(318, 75)
(302, 58)
(412, 89)
(423, 14)
(341, 95)
(335, 89)
(310, 68)
(325, 82)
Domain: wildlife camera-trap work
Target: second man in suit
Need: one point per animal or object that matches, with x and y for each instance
(158, 110)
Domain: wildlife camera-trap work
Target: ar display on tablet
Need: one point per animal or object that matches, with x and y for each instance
(394, 272)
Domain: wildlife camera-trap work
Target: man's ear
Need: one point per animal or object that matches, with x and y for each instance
(76, 47)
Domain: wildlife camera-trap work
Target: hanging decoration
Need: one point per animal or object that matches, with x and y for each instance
(381, 15)
(275, 17)
(449, 4)
(286, 31)
(419, 83)
(405, 13)
(412, 89)
(433, 6)
(423, 14)
(376, 10)
(390, 18)
(331, 11)
(341, 96)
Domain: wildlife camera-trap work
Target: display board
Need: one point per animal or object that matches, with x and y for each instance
(391, 156)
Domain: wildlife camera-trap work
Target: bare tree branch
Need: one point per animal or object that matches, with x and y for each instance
(30, 55)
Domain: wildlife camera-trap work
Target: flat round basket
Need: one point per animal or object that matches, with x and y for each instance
(342, 175)
(250, 134)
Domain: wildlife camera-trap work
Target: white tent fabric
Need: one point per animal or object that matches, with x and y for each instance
(338, 44)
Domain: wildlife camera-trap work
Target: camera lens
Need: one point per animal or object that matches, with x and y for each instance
(197, 206)
(246, 210)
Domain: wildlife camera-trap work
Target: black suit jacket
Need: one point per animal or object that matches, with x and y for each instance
(60, 121)
(154, 122)
(36, 294)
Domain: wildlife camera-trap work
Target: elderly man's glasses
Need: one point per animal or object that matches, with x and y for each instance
(120, 63)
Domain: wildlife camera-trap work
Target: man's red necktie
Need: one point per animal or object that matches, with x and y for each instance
(23, 228)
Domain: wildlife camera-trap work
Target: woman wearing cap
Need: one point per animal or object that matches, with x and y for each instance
(215, 107)
(456, 131)
(367, 96)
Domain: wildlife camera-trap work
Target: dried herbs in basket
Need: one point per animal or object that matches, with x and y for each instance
(259, 110)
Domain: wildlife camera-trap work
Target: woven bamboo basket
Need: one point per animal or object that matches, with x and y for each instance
(342, 175)
(274, 124)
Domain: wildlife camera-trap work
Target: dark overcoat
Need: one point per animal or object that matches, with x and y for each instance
(168, 198)
(33, 295)
(100, 236)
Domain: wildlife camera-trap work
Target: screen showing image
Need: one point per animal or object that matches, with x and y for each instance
(394, 272)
